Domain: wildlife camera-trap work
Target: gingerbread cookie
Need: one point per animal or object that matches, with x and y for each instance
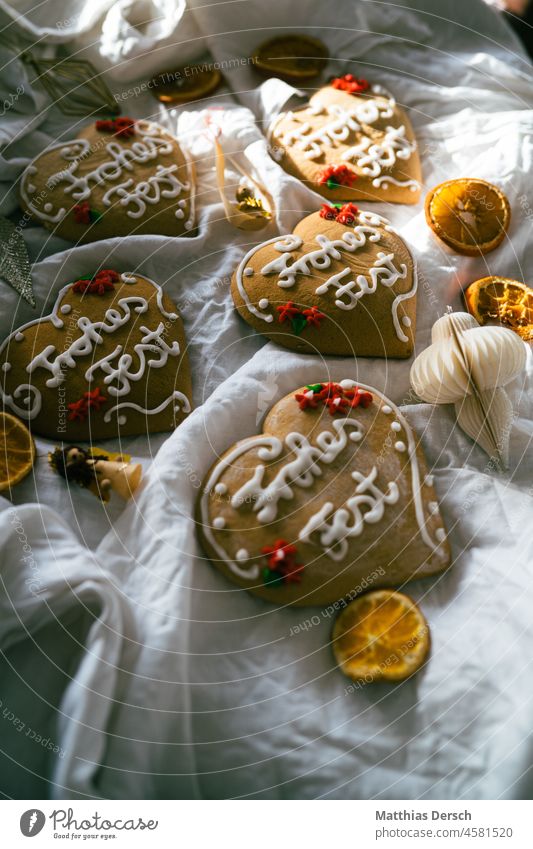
(110, 359)
(120, 177)
(331, 499)
(342, 283)
(351, 142)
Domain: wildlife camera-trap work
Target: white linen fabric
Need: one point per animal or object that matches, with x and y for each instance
(176, 684)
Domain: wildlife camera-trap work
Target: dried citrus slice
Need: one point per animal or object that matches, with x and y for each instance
(471, 216)
(506, 301)
(291, 57)
(17, 451)
(381, 636)
(181, 85)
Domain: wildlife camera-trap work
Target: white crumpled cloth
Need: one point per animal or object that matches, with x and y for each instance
(187, 687)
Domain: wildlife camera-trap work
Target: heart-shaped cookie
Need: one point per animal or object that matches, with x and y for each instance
(333, 498)
(342, 283)
(351, 142)
(119, 177)
(110, 359)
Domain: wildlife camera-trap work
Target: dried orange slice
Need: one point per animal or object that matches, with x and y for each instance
(291, 57)
(471, 216)
(381, 636)
(17, 451)
(181, 85)
(506, 301)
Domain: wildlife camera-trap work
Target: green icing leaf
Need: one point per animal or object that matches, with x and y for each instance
(14, 261)
(315, 387)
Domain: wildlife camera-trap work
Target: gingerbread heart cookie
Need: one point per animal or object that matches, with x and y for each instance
(119, 177)
(351, 142)
(331, 499)
(342, 283)
(110, 359)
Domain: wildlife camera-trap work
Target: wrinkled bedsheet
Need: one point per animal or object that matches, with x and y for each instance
(146, 670)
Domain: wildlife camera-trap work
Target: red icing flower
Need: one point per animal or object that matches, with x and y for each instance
(82, 213)
(102, 282)
(118, 126)
(350, 84)
(292, 574)
(281, 560)
(125, 126)
(280, 552)
(287, 312)
(328, 212)
(347, 214)
(81, 285)
(105, 126)
(337, 175)
(313, 316)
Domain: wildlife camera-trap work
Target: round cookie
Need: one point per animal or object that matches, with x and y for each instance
(119, 177)
(331, 499)
(350, 145)
(110, 359)
(342, 283)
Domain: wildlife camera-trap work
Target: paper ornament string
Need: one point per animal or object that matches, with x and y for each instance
(14, 260)
(467, 365)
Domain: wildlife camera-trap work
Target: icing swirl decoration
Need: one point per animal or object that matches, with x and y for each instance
(321, 482)
(356, 131)
(113, 182)
(110, 353)
(344, 270)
